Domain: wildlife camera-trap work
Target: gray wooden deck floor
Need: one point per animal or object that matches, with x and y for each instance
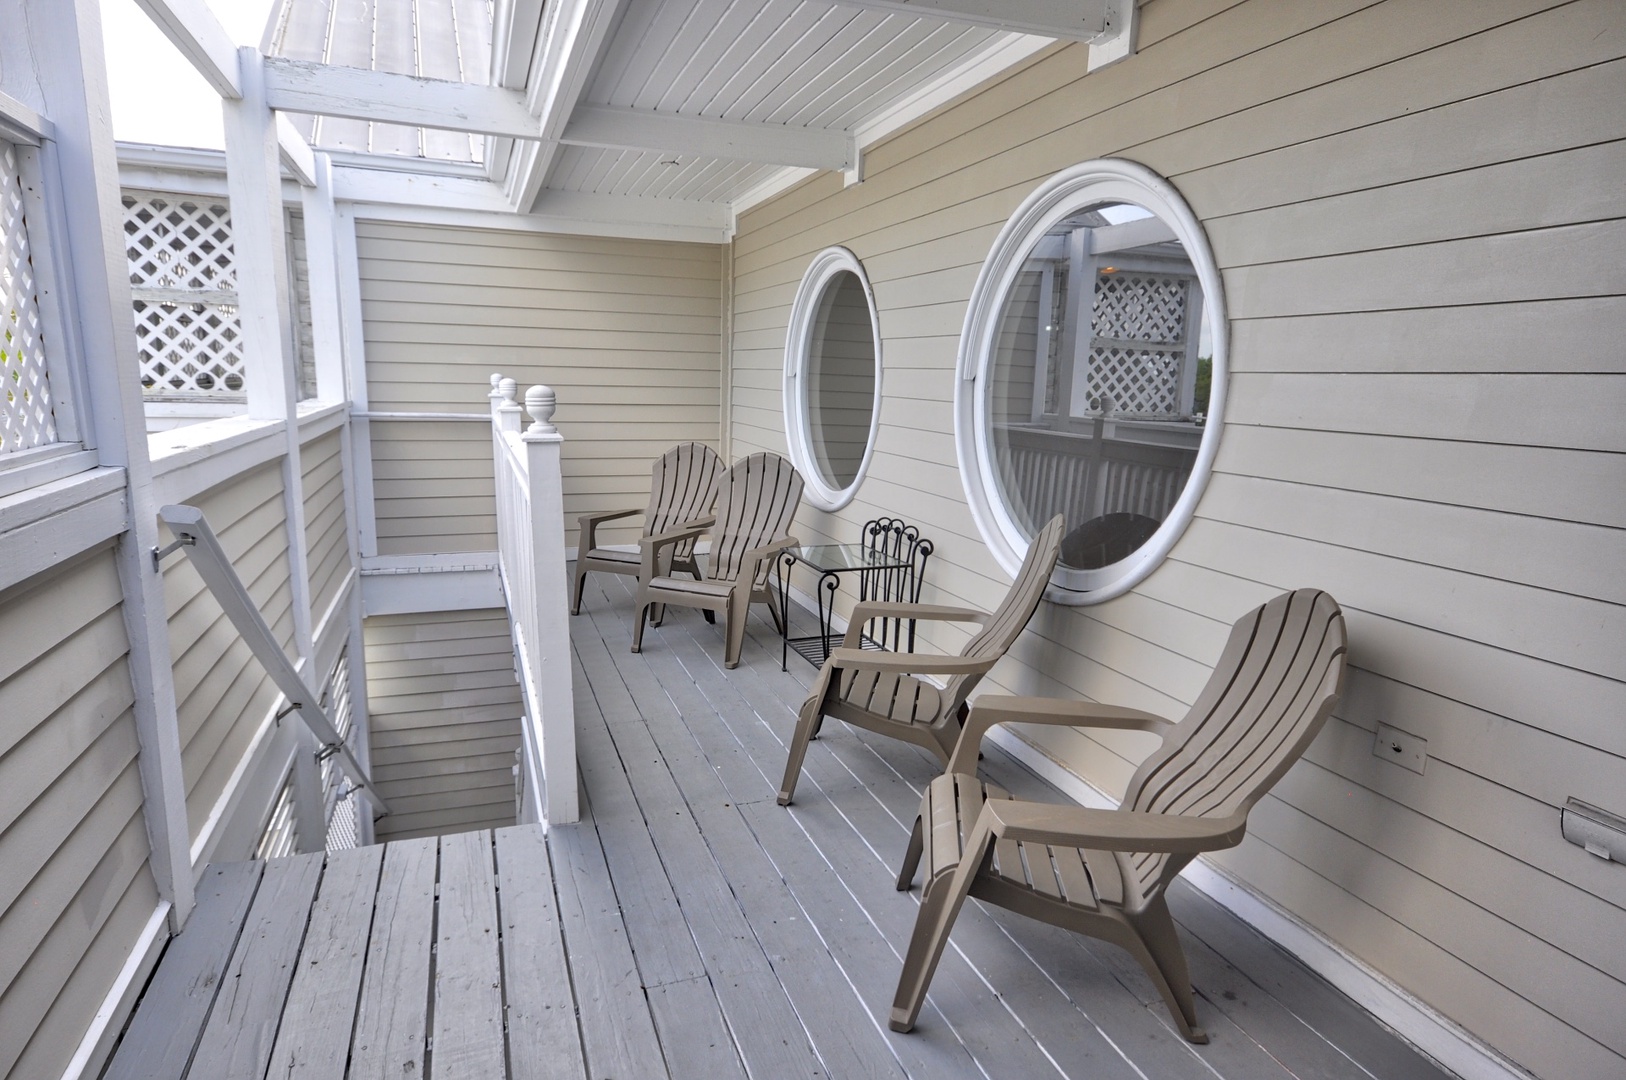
(689, 927)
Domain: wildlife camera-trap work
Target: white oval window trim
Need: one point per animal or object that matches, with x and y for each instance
(825, 266)
(1094, 182)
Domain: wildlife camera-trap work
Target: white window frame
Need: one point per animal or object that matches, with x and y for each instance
(798, 433)
(1092, 183)
(73, 452)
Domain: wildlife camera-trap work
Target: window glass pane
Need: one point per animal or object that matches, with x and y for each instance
(26, 416)
(840, 379)
(1096, 396)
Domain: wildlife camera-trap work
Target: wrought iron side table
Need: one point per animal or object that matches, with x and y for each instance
(890, 563)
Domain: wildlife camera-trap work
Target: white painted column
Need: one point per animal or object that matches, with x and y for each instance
(254, 186)
(63, 43)
(321, 260)
(353, 333)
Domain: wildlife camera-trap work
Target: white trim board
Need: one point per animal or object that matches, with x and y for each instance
(1425, 1028)
(424, 589)
(121, 998)
(555, 224)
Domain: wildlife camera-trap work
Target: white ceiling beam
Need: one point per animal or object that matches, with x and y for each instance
(357, 94)
(573, 34)
(1072, 20)
(193, 29)
(693, 136)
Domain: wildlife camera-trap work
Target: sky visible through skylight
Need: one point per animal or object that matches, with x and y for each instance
(157, 96)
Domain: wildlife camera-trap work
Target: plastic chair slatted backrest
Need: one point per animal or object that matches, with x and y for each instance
(1013, 613)
(1251, 722)
(682, 486)
(756, 501)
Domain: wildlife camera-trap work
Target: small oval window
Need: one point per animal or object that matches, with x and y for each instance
(1093, 364)
(832, 378)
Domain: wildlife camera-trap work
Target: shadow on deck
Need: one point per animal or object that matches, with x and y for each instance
(689, 927)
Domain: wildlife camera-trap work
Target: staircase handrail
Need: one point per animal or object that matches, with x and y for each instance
(197, 539)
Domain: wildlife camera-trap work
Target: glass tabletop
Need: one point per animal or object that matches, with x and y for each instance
(834, 558)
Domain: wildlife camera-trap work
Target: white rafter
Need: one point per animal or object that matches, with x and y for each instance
(573, 34)
(193, 29)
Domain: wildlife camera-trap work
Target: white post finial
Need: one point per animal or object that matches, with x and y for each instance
(509, 389)
(540, 402)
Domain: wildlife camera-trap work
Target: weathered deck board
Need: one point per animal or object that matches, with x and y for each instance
(544, 1042)
(770, 1035)
(688, 1020)
(392, 1019)
(160, 1042)
(849, 1043)
(618, 1033)
(688, 926)
(242, 1027)
(468, 1024)
(314, 1037)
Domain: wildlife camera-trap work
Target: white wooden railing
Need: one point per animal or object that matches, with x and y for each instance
(531, 556)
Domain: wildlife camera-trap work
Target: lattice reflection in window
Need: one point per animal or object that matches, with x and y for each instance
(1136, 380)
(184, 279)
(26, 417)
(1139, 341)
(1140, 307)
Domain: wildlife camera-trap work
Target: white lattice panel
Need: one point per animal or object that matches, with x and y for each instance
(184, 279)
(189, 348)
(26, 418)
(1139, 330)
(175, 242)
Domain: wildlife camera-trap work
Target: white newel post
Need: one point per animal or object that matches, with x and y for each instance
(543, 444)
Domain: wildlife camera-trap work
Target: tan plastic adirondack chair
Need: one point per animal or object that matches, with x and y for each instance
(1104, 872)
(682, 490)
(879, 690)
(756, 501)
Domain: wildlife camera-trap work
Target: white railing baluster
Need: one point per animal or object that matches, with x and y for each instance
(531, 550)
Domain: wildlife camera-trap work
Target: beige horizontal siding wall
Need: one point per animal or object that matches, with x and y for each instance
(328, 551)
(626, 331)
(444, 708)
(1418, 211)
(76, 888)
(222, 692)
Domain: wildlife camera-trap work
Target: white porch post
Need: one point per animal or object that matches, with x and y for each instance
(543, 444)
(254, 187)
(62, 43)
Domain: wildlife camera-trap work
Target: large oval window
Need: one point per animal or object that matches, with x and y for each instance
(832, 378)
(1092, 380)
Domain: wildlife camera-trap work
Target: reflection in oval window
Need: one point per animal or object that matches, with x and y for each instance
(840, 377)
(1099, 382)
(832, 378)
(1092, 367)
